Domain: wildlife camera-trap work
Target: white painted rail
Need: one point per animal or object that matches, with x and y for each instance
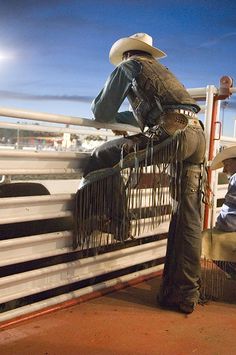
(70, 295)
(35, 281)
(24, 259)
(13, 162)
(32, 208)
(56, 118)
(18, 250)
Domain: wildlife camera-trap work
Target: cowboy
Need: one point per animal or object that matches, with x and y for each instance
(226, 221)
(166, 115)
(219, 243)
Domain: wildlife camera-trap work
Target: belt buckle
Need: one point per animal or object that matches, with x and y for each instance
(194, 122)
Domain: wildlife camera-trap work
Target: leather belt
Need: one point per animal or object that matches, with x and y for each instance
(192, 117)
(185, 112)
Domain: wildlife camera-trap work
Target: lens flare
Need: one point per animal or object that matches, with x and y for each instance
(4, 55)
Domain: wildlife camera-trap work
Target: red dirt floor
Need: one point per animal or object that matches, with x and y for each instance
(125, 322)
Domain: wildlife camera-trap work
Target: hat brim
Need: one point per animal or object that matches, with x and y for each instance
(226, 153)
(128, 44)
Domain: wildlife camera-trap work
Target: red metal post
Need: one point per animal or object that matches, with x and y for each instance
(226, 83)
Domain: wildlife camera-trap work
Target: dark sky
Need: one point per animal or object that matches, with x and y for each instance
(54, 53)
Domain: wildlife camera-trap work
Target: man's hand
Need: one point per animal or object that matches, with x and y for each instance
(120, 133)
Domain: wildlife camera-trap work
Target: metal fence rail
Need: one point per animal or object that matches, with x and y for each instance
(36, 255)
(37, 264)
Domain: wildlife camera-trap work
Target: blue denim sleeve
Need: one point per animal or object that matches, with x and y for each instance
(106, 105)
(226, 220)
(230, 197)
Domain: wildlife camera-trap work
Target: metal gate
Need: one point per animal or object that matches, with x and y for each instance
(38, 268)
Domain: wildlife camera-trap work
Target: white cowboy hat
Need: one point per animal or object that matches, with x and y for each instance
(138, 42)
(226, 153)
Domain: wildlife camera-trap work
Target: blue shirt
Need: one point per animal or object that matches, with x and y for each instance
(226, 220)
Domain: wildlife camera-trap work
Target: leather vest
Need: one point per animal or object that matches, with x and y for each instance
(155, 90)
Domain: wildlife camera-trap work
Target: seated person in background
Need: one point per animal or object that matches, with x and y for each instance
(226, 221)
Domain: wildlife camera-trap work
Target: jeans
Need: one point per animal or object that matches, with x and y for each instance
(109, 153)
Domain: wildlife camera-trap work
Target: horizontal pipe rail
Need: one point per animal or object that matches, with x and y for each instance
(70, 120)
(35, 281)
(197, 93)
(15, 162)
(55, 156)
(18, 250)
(29, 208)
(59, 130)
(39, 171)
(93, 290)
(227, 141)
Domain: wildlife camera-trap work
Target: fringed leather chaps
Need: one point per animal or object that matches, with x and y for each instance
(110, 197)
(110, 200)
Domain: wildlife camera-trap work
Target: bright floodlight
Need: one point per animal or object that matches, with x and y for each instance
(5, 55)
